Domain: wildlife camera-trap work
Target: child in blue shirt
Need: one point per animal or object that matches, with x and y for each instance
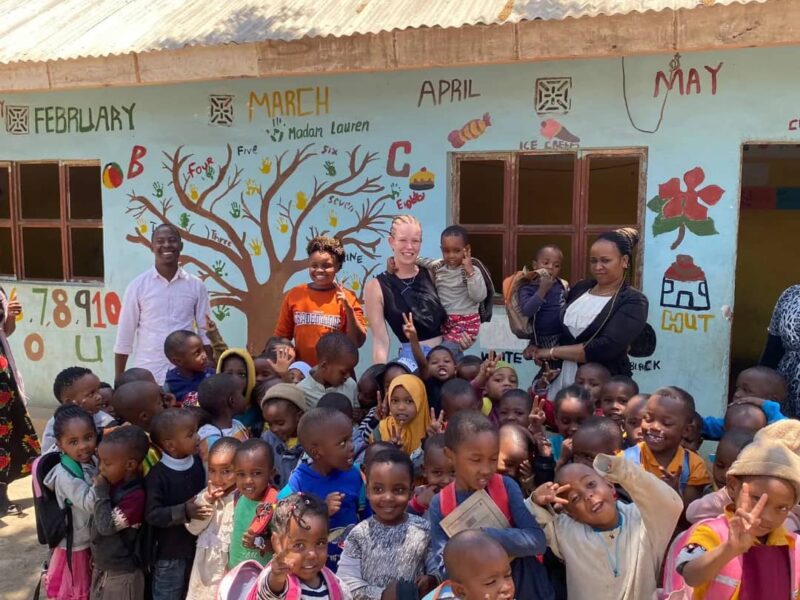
(326, 434)
(185, 350)
(543, 296)
(759, 386)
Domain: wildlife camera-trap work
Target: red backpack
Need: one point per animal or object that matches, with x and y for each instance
(496, 490)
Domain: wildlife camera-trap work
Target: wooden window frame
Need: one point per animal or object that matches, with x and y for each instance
(579, 230)
(65, 223)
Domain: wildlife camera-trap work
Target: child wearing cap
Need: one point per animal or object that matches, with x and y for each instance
(747, 552)
(282, 407)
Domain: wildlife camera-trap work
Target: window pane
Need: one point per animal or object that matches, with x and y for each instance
(6, 253)
(545, 189)
(528, 245)
(40, 196)
(87, 253)
(42, 253)
(613, 189)
(84, 193)
(5, 193)
(481, 192)
(488, 248)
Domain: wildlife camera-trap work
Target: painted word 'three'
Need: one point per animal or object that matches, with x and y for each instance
(299, 102)
(75, 119)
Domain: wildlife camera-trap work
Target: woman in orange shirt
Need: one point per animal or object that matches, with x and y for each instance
(311, 310)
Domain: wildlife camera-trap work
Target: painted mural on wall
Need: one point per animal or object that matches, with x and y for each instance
(249, 170)
(221, 210)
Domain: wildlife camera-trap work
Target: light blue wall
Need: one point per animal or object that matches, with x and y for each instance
(755, 99)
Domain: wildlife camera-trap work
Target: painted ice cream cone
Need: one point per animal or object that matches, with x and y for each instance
(553, 129)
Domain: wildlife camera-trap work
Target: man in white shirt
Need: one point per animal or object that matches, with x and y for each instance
(159, 301)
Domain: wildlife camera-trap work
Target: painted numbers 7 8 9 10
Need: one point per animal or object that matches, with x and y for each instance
(100, 309)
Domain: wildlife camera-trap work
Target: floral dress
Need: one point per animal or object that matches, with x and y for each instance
(786, 325)
(19, 445)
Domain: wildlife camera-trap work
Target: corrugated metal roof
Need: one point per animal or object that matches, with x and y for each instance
(41, 30)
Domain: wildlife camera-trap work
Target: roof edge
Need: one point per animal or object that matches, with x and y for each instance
(702, 28)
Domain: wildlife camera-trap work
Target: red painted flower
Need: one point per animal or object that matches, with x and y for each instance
(5, 398)
(5, 429)
(5, 460)
(3, 363)
(691, 202)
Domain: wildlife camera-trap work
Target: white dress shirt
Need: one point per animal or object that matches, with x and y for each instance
(152, 308)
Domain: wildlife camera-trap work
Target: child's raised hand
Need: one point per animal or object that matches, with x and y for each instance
(394, 436)
(466, 261)
(334, 502)
(549, 493)
(99, 480)
(566, 453)
(546, 281)
(537, 417)
(282, 361)
(745, 522)
(211, 326)
(197, 512)
(750, 400)
(466, 340)
(214, 493)
(673, 480)
(341, 296)
(408, 327)
(544, 447)
(549, 374)
(437, 423)
(490, 364)
(280, 567)
(383, 406)
(425, 494)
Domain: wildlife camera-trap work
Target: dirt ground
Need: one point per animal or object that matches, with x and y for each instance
(21, 556)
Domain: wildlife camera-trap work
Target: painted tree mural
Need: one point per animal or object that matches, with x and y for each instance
(232, 273)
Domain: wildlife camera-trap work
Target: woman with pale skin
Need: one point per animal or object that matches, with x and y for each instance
(409, 289)
(603, 315)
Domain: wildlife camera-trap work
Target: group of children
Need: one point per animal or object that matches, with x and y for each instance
(269, 478)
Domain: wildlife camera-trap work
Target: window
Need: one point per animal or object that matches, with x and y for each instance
(514, 203)
(51, 221)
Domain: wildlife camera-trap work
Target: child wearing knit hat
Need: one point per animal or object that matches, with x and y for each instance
(747, 552)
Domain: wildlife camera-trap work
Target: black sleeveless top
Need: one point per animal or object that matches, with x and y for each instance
(417, 296)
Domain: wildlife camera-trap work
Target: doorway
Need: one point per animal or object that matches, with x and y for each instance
(769, 220)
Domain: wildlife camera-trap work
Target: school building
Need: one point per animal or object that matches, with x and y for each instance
(254, 125)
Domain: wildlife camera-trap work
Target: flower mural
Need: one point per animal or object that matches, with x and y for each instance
(683, 210)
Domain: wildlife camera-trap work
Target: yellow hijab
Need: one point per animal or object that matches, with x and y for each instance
(415, 430)
(251, 369)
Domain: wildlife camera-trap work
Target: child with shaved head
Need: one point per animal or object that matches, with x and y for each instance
(612, 551)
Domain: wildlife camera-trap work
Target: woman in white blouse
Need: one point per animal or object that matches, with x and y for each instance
(602, 315)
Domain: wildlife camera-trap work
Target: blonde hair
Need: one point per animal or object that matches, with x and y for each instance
(404, 220)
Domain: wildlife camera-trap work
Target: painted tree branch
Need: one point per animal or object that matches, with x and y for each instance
(281, 176)
(208, 273)
(142, 204)
(241, 257)
(336, 188)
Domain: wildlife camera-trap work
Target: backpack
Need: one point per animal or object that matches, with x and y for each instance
(634, 454)
(53, 523)
(485, 307)
(727, 579)
(521, 326)
(496, 490)
(242, 583)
